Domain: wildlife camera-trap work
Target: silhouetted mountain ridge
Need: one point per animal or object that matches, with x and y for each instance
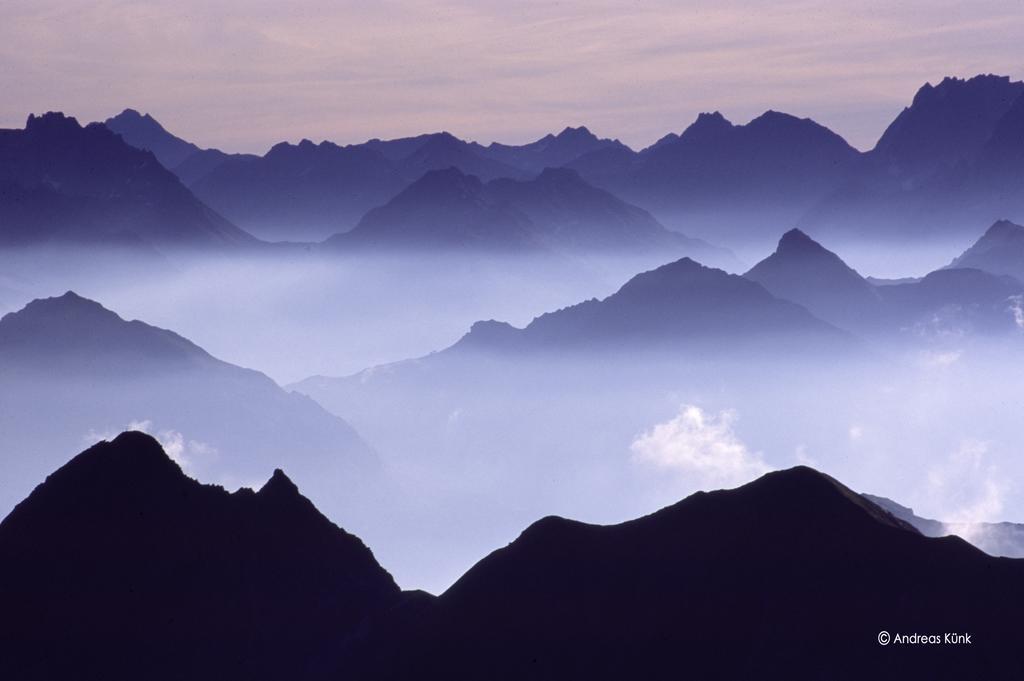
(784, 575)
(140, 571)
(60, 182)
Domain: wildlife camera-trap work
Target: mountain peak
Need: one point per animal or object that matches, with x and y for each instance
(279, 486)
(69, 306)
(575, 134)
(51, 121)
(1002, 229)
(706, 124)
(796, 241)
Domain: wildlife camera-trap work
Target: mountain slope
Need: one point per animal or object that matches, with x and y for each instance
(557, 210)
(956, 303)
(550, 151)
(300, 192)
(679, 307)
(803, 271)
(119, 566)
(60, 182)
(995, 539)
(1000, 250)
(736, 181)
(142, 131)
(791, 576)
(444, 209)
(71, 357)
(950, 160)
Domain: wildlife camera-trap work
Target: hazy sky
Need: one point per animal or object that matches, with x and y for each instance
(244, 74)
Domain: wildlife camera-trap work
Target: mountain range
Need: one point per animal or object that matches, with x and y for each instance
(1000, 250)
(139, 570)
(557, 210)
(61, 183)
(995, 539)
(679, 307)
(950, 161)
(969, 296)
(119, 566)
(71, 357)
(185, 159)
(723, 181)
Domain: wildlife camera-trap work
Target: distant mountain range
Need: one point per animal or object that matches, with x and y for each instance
(557, 210)
(677, 308)
(71, 370)
(184, 159)
(995, 539)
(725, 181)
(961, 298)
(119, 566)
(1000, 250)
(952, 160)
(61, 183)
(139, 571)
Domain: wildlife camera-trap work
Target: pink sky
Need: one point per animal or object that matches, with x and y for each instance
(243, 75)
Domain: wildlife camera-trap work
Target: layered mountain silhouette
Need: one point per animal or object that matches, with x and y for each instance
(551, 151)
(950, 160)
(185, 159)
(444, 209)
(119, 566)
(995, 539)
(1000, 250)
(62, 183)
(677, 307)
(960, 299)
(803, 271)
(70, 369)
(142, 131)
(137, 570)
(956, 302)
(557, 210)
(790, 576)
(301, 192)
(725, 179)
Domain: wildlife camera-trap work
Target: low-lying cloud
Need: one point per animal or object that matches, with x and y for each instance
(701, 448)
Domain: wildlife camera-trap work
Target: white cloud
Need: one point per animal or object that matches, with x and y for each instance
(701, 448)
(969, 489)
(189, 454)
(856, 432)
(1017, 310)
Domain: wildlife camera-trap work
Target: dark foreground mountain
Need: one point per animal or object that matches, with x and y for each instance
(71, 370)
(805, 272)
(995, 539)
(1000, 250)
(121, 567)
(557, 210)
(62, 183)
(792, 576)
